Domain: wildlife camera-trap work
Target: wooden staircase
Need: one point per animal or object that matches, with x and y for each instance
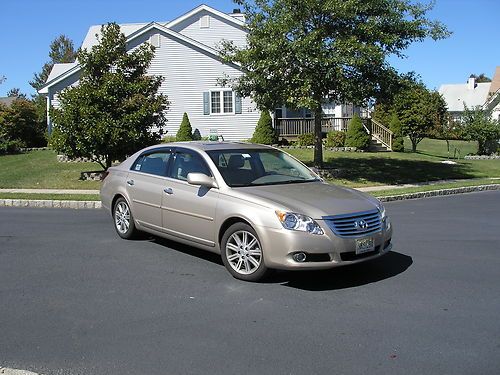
(381, 137)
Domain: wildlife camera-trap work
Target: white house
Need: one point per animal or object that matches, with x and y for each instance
(485, 95)
(187, 58)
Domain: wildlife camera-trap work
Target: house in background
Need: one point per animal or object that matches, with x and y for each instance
(485, 95)
(187, 58)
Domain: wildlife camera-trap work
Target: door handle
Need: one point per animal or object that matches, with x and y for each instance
(168, 190)
(130, 182)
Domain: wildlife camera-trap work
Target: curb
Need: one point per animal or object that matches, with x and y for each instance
(50, 203)
(441, 192)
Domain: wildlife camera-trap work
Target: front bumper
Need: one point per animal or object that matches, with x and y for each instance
(322, 251)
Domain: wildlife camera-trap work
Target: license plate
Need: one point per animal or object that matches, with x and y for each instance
(364, 245)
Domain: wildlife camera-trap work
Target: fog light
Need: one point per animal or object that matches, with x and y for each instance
(299, 257)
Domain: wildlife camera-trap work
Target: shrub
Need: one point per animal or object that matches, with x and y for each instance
(480, 127)
(264, 132)
(196, 135)
(335, 139)
(397, 129)
(306, 139)
(10, 147)
(185, 132)
(356, 134)
(20, 122)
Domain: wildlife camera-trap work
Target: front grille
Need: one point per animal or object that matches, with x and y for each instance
(355, 225)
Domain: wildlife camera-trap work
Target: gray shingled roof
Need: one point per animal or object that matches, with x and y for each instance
(456, 95)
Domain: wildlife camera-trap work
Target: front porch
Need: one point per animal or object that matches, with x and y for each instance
(291, 128)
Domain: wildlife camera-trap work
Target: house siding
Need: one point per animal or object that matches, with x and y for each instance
(220, 29)
(189, 72)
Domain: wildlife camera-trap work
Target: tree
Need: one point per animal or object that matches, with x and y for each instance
(15, 93)
(419, 110)
(356, 135)
(185, 132)
(480, 78)
(480, 127)
(61, 51)
(299, 53)
(2, 79)
(19, 123)
(115, 107)
(264, 132)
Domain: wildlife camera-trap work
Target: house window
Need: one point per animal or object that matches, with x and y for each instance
(215, 101)
(228, 102)
(222, 102)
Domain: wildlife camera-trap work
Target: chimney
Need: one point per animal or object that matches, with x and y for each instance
(471, 83)
(237, 14)
(236, 11)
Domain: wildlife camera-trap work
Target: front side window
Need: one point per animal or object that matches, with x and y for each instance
(154, 163)
(247, 167)
(188, 162)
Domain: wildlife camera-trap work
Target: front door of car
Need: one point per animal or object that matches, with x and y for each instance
(145, 182)
(188, 211)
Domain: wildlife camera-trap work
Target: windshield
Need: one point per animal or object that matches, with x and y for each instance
(248, 167)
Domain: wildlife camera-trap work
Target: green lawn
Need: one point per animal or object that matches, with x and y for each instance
(52, 197)
(40, 169)
(387, 168)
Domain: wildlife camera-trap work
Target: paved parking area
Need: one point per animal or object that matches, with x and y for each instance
(75, 299)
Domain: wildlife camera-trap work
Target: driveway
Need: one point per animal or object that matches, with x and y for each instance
(75, 299)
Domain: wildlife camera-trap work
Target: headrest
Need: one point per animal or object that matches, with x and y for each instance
(235, 162)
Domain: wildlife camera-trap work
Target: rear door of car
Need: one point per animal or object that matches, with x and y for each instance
(188, 211)
(145, 183)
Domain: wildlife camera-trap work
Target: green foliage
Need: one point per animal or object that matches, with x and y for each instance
(185, 132)
(481, 78)
(299, 53)
(264, 132)
(115, 107)
(356, 134)
(19, 125)
(197, 135)
(10, 147)
(335, 139)
(306, 139)
(478, 126)
(419, 111)
(397, 128)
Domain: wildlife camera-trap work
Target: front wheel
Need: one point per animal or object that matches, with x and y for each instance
(242, 253)
(124, 221)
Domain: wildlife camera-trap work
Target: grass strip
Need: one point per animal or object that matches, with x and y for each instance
(51, 197)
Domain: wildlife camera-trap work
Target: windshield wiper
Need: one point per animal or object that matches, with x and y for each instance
(284, 182)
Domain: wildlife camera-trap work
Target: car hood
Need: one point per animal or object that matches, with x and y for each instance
(314, 199)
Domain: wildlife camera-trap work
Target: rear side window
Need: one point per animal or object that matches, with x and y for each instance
(154, 163)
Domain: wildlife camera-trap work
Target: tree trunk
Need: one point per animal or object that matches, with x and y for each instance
(413, 145)
(318, 138)
(109, 161)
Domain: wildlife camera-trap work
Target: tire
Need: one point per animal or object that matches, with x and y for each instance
(242, 253)
(123, 219)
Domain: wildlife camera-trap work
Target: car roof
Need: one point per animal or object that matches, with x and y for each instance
(215, 145)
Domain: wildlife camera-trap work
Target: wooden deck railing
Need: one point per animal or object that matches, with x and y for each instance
(292, 127)
(382, 134)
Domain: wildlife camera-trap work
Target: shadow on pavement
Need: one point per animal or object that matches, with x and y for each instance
(382, 268)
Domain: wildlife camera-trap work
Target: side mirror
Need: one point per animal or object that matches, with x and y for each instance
(201, 179)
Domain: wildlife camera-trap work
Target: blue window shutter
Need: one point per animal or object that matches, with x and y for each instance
(206, 103)
(237, 104)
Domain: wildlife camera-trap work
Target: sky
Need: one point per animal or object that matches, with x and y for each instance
(29, 26)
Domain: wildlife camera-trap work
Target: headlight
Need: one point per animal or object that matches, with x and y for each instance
(381, 209)
(302, 223)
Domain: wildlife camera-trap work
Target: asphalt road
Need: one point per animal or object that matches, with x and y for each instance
(75, 299)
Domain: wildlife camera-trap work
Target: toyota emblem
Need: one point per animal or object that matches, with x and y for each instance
(360, 225)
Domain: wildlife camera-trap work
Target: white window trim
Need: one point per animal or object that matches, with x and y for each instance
(222, 113)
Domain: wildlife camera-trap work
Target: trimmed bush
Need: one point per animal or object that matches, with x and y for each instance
(10, 147)
(306, 139)
(196, 135)
(397, 128)
(185, 132)
(264, 132)
(356, 134)
(335, 138)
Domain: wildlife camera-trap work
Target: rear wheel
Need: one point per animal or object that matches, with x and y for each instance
(242, 253)
(124, 221)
